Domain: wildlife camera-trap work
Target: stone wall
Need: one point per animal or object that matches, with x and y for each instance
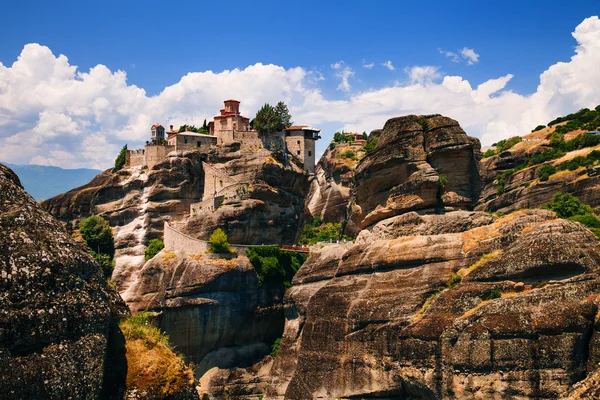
(301, 148)
(215, 180)
(156, 154)
(183, 142)
(175, 240)
(135, 158)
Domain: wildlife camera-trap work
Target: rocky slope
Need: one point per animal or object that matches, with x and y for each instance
(379, 319)
(58, 331)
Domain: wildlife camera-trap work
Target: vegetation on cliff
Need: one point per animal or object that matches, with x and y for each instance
(585, 119)
(154, 247)
(153, 366)
(120, 160)
(272, 119)
(218, 242)
(567, 206)
(274, 265)
(316, 231)
(97, 234)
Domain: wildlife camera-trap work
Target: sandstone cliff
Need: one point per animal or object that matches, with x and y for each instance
(387, 317)
(58, 332)
(419, 163)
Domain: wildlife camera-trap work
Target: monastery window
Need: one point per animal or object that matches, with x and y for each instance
(198, 144)
(185, 140)
(298, 142)
(309, 153)
(298, 152)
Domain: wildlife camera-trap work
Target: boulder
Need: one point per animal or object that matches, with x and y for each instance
(58, 317)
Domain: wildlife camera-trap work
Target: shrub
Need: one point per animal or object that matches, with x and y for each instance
(105, 262)
(546, 155)
(120, 160)
(348, 154)
(97, 234)
(538, 128)
(453, 281)
(218, 242)
(506, 144)
(565, 205)
(443, 180)
(273, 265)
(489, 153)
(315, 231)
(371, 144)
(331, 145)
(275, 347)
(154, 247)
(494, 294)
(589, 220)
(545, 171)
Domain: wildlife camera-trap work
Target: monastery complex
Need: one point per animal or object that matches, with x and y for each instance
(228, 127)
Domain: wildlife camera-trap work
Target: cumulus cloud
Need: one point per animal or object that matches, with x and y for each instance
(468, 55)
(344, 72)
(367, 65)
(55, 114)
(388, 64)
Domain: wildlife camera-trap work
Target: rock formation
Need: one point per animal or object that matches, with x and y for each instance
(215, 309)
(420, 162)
(58, 332)
(387, 318)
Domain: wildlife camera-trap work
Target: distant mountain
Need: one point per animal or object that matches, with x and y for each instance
(43, 182)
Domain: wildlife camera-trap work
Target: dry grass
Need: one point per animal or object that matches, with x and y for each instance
(194, 257)
(575, 153)
(472, 310)
(484, 259)
(167, 257)
(426, 305)
(152, 364)
(223, 262)
(473, 237)
(527, 229)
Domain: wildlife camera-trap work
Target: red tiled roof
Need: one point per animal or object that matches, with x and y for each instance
(295, 127)
(157, 126)
(227, 101)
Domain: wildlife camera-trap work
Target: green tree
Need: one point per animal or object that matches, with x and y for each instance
(365, 136)
(285, 119)
(267, 120)
(218, 242)
(105, 261)
(98, 236)
(205, 126)
(565, 205)
(545, 171)
(154, 247)
(120, 160)
(339, 137)
(371, 144)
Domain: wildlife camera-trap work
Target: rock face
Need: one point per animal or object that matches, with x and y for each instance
(58, 333)
(215, 310)
(420, 162)
(381, 318)
(135, 202)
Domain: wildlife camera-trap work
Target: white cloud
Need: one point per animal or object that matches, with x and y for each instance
(53, 113)
(469, 55)
(452, 56)
(422, 74)
(388, 64)
(344, 72)
(367, 65)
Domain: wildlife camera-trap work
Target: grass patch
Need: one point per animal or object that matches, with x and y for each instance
(152, 364)
(453, 280)
(484, 259)
(494, 294)
(167, 257)
(426, 305)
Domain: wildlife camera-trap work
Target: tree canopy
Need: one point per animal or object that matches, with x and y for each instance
(218, 242)
(271, 119)
(120, 160)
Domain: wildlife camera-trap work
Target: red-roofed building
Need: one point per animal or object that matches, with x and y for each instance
(158, 133)
(229, 119)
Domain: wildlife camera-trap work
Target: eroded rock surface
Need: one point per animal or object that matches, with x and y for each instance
(57, 315)
(420, 162)
(379, 320)
(215, 310)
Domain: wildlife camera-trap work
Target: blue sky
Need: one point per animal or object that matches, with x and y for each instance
(155, 44)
